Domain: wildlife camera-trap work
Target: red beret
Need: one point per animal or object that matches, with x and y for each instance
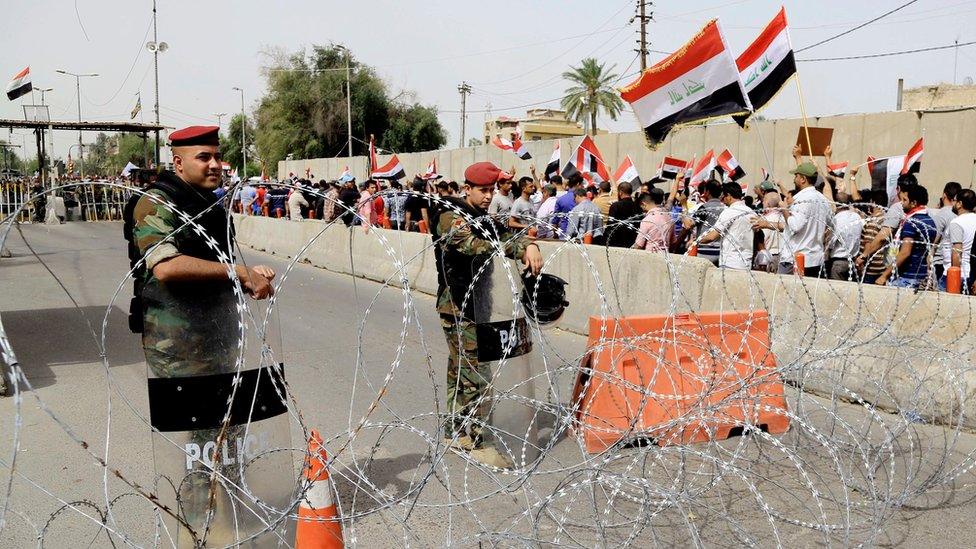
(195, 135)
(482, 174)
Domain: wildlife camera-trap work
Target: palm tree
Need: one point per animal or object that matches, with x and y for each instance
(592, 91)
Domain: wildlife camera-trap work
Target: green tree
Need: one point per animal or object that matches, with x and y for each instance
(109, 154)
(303, 112)
(230, 146)
(591, 92)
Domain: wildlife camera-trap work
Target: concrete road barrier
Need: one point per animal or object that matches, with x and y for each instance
(889, 348)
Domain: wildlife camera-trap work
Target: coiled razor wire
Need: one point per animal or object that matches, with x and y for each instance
(877, 403)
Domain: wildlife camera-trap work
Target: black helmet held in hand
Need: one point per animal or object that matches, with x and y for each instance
(543, 297)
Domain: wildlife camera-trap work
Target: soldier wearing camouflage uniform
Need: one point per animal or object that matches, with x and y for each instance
(466, 240)
(184, 302)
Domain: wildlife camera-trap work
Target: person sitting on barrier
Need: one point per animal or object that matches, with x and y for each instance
(915, 237)
(585, 218)
(655, 232)
(465, 238)
(734, 229)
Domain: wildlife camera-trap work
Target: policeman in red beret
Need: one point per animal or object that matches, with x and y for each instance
(186, 309)
(466, 238)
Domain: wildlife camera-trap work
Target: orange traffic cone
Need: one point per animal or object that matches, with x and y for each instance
(800, 264)
(588, 238)
(318, 524)
(422, 226)
(954, 280)
(693, 250)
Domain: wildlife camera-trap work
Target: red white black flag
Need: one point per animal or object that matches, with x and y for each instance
(913, 160)
(838, 169)
(697, 82)
(515, 146)
(627, 172)
(552, 168)
(885, 171)
(431, 172)
(20, 85)
(391, 170)
(703, 170)
(767, 64)
(728, 165)
(670, 167)
(588, 162)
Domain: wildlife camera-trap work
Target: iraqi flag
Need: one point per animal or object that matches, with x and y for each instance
(884, 175)
(588, 162)
(703, 170)
(837, 170)
(767, 64)
(431, 172)
(20, 84)
(552, 168)
(627, 173)
(729, 166)
(670, 167)
(515, 146)
(391, 170)
(698, 81)
(913, 160)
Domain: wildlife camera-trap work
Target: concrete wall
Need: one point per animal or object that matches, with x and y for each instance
(950, 148)
(891, 348)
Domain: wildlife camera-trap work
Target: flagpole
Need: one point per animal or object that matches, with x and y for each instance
(762, 143)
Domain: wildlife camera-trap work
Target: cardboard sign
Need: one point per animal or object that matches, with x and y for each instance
(819, 140)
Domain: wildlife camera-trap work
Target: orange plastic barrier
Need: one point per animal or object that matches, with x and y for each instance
(954, 280)
(799, 264)
(318, 523)
(678, 379)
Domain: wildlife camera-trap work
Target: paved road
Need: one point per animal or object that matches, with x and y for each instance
(340, 340)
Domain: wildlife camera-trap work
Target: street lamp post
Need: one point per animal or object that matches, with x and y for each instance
(219, 115)
(78, 77)
(43, 91)
(243, 136)
(348, 102)
(156, 47)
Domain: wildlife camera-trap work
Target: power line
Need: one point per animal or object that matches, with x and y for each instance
(887, 54)
(861, 26)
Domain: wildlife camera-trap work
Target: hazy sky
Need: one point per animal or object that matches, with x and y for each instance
(511, 52)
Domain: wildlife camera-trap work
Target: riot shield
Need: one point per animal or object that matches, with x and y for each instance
(220, 442)
(505, 341)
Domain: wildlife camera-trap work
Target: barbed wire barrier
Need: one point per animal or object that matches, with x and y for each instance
(875, 386)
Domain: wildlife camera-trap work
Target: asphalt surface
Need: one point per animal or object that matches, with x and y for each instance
(346, 341)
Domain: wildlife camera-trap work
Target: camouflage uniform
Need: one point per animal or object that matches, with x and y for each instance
(468, 381)
(189, 328)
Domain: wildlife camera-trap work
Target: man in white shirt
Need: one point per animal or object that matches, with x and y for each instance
(942, 216)
(734, 229)
(846, 240)
(959, 237)
(804, 225)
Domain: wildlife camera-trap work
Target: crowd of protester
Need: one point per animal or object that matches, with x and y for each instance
(823, 225)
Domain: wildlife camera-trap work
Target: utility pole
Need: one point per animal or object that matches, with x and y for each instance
(219, 115)
(464, 89)
(243, 136)
(156, 47)
(955, 63)
(644, 17)
(348, 102)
